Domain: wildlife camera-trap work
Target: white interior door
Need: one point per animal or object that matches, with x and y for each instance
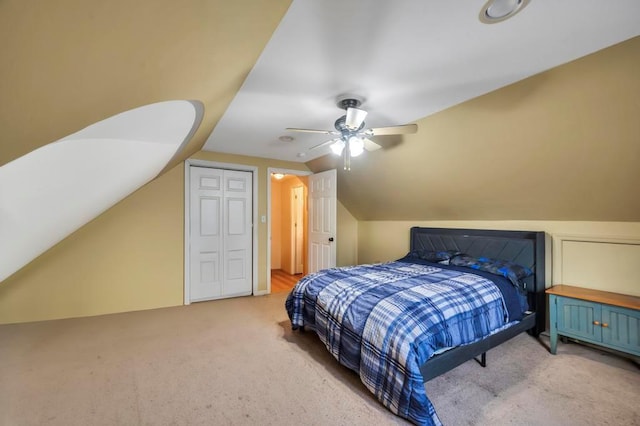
(238, 196)
(322, 220)
(220, 251)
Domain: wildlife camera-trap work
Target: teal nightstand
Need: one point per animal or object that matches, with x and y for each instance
(603, 318)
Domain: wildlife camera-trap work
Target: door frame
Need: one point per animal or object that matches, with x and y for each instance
(187, 217)
(271, 170)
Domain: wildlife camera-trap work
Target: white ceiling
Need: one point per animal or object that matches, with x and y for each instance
(50, 192)
(408, 59)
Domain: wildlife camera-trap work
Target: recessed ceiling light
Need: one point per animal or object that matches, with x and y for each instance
(498, 10)
(302, 154)
(286, 138)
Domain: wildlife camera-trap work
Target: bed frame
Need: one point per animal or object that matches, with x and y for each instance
(522, 247)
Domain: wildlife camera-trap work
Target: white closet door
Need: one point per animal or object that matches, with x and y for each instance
(238, 234)
(220, 233)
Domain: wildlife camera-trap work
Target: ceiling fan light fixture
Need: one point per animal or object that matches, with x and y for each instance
(495, 11)
(351, 138)
(338, 146)
(356, 146)
(355, 117)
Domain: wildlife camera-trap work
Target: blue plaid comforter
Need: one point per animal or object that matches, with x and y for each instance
(385, 320)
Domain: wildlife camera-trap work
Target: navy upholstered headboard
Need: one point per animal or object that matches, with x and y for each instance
(526, 248)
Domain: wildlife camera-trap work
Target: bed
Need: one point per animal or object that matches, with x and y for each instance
(457, 294)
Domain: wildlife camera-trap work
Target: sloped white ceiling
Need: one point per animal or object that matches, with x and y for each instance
(408, 59)
(54, 190)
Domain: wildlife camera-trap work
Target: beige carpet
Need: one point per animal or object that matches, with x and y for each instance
(236, 362)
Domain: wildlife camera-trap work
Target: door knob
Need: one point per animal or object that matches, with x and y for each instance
(330, 239)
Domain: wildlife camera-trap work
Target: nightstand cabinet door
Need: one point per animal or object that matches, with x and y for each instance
(621, 329)
(579, 319)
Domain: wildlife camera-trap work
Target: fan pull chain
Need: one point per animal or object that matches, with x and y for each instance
(347, 155)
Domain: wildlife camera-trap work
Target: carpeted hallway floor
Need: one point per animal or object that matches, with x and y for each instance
(236, 362)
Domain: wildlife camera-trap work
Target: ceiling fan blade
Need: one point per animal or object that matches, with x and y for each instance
(355, 118)
(370, 145)
(323, 144)
(393, 130)
(324, 132)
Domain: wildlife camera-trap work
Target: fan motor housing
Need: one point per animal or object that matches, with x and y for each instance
(342, 128)
(349, 101)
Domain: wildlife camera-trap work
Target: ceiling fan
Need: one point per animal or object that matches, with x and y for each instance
(351, 136)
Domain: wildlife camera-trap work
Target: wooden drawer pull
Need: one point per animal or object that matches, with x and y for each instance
(604, 324)
(596, 323)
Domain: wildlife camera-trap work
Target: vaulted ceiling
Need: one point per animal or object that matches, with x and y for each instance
(561, 145)
(406, 59)
(259, 66)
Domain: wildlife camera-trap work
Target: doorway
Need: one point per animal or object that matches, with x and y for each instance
(297, 229)
(288, 229)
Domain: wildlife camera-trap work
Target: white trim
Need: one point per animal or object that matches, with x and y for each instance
(187, 232)
(187, 217)
(286, 172)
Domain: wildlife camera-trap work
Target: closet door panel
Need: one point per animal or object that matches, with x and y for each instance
(206, 201)
(238, 235)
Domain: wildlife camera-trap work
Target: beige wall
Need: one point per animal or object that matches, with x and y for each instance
(389, 240)
(129, 258)
(347, 238)
(69, 64)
